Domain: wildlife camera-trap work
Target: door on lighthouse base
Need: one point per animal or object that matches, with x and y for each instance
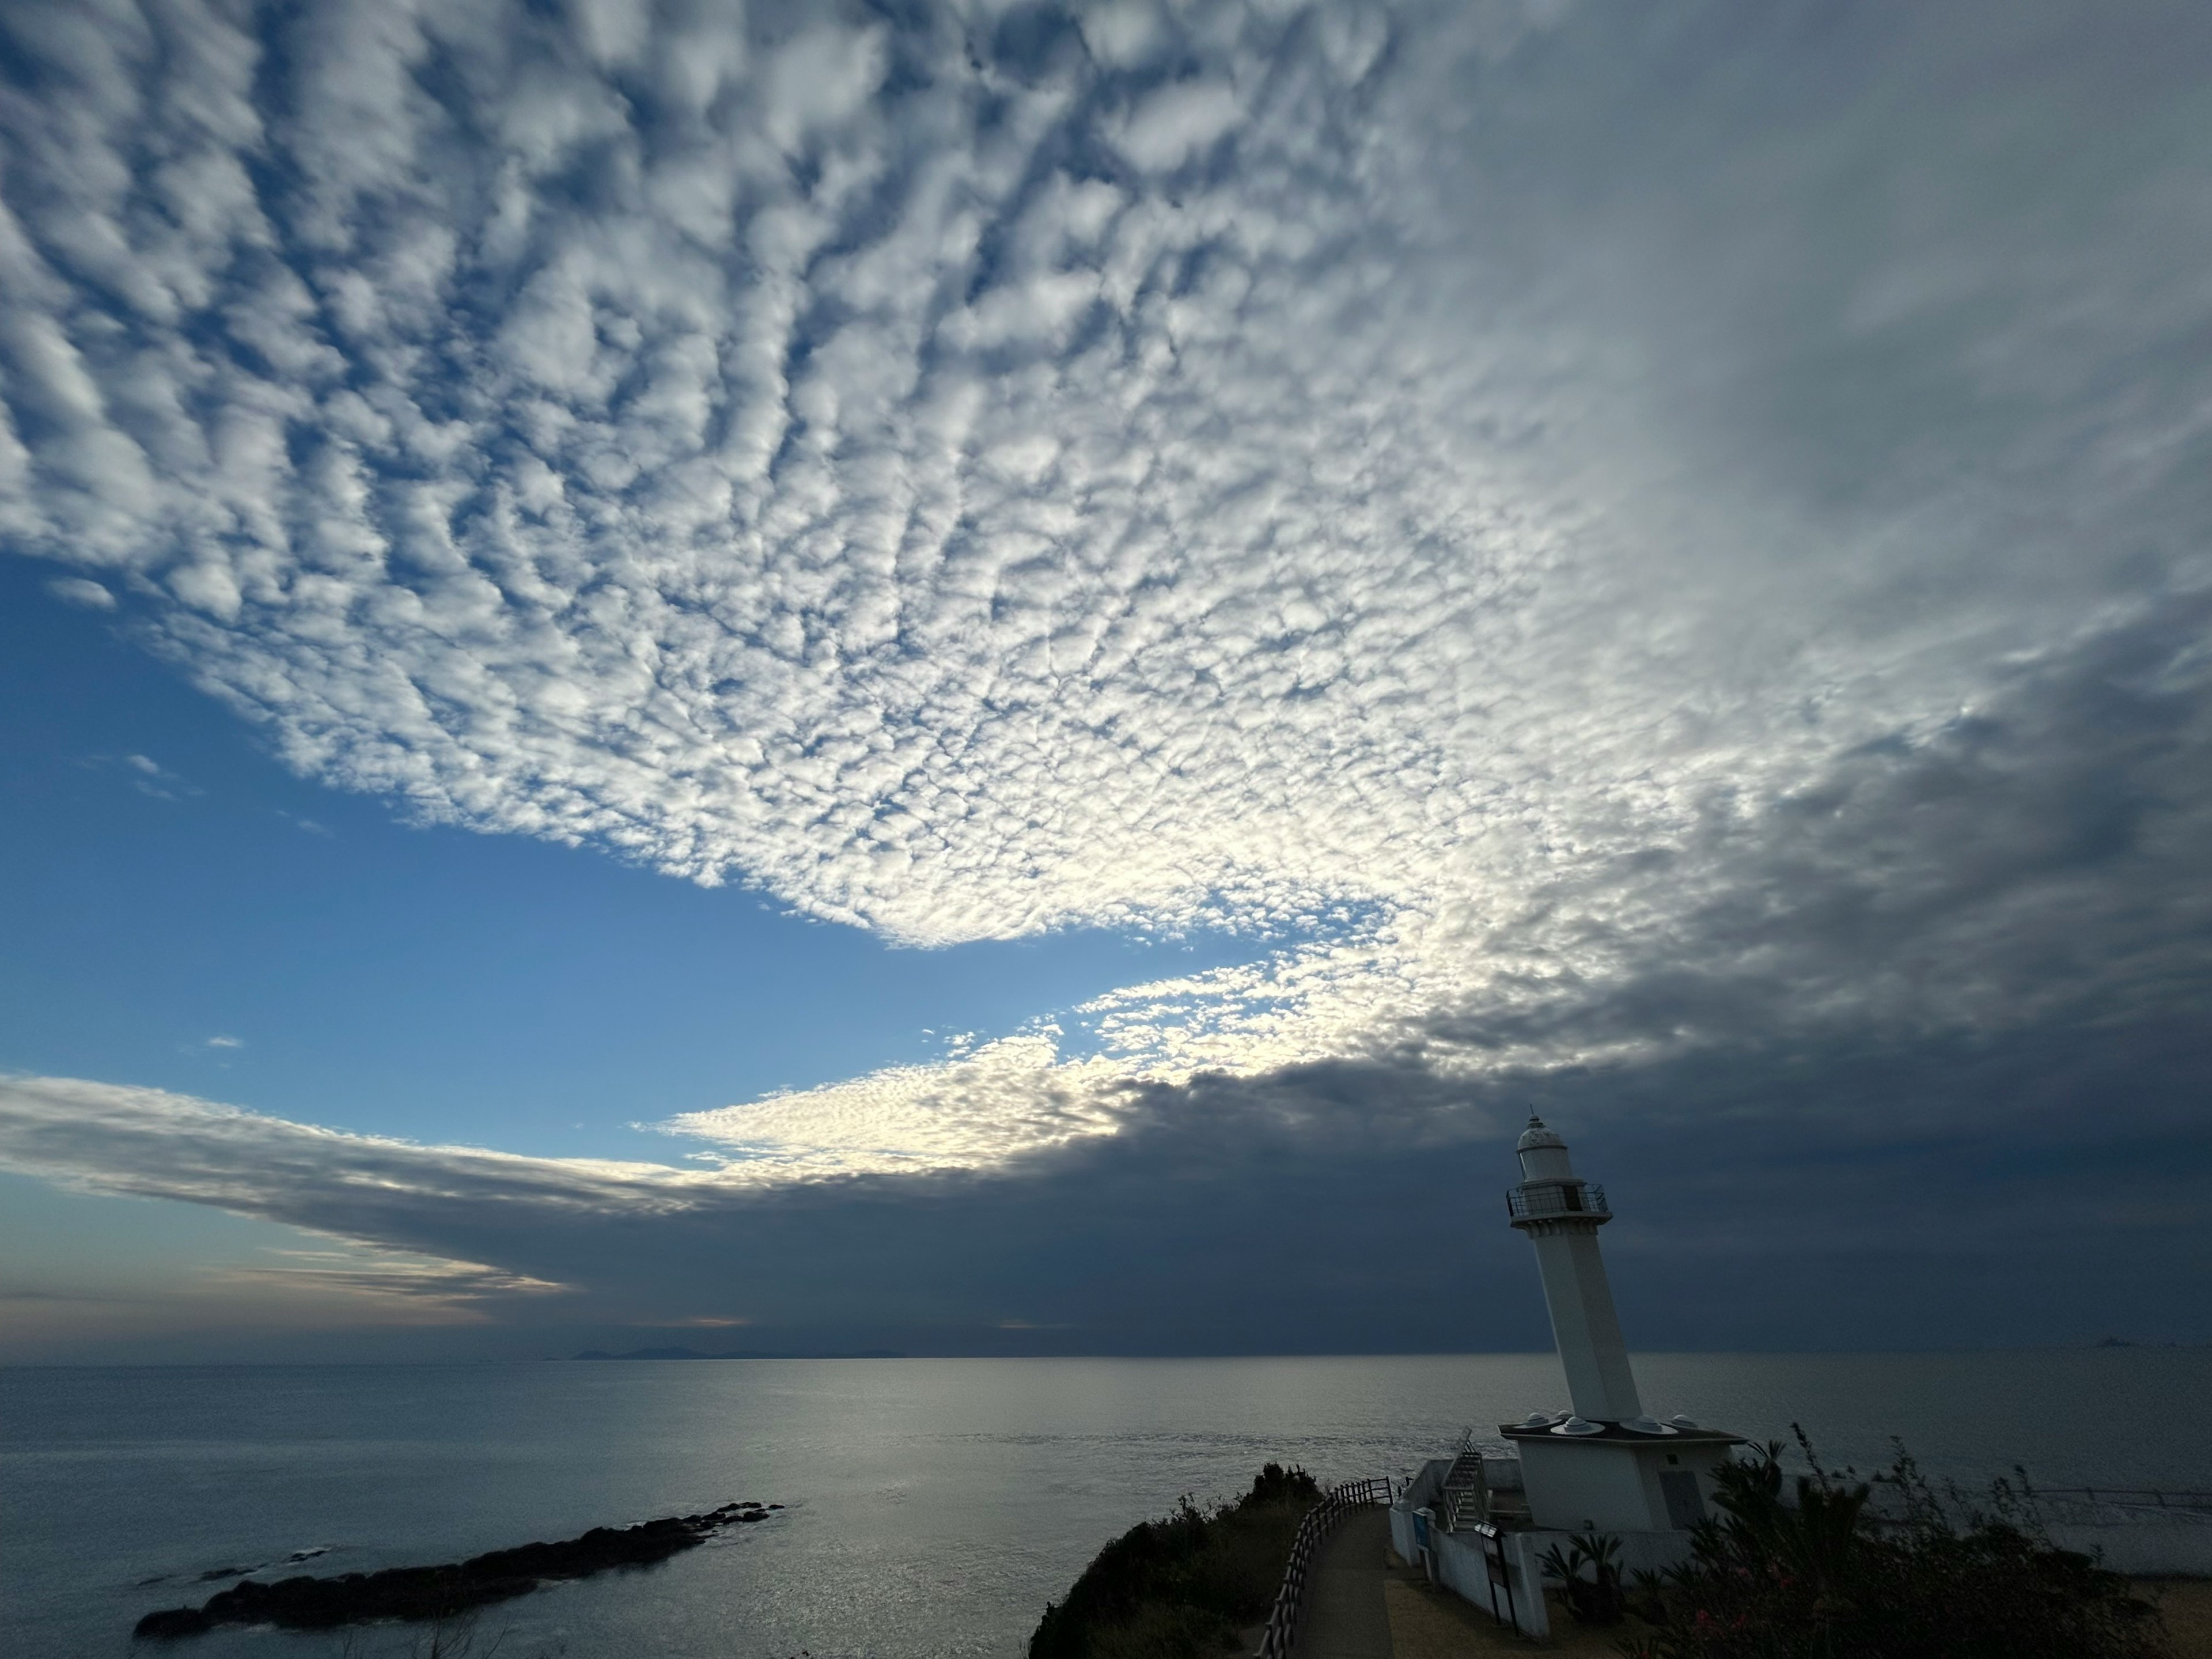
(1686, 1504)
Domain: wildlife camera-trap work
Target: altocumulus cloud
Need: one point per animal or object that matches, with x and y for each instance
(1603, 544)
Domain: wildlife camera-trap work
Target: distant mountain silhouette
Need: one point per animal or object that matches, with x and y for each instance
(693, 1353)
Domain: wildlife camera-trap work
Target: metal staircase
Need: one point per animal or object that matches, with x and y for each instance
(1465, 1499)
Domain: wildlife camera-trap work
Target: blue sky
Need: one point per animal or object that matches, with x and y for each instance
(884, 678)
(219, 928)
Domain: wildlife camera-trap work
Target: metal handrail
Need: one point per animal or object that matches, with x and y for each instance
(1568, 1198)
(1313, 1532)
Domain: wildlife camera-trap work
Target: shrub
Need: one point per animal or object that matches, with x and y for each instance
(1597, 1599)
(1937, 1578)
(1182, 1586)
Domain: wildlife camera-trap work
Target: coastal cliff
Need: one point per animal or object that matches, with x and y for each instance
(1183, 1585)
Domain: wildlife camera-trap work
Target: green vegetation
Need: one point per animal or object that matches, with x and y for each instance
(1183, 1586)
(1826, 1578)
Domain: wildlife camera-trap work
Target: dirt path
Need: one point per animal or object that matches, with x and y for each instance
(1427, 1623)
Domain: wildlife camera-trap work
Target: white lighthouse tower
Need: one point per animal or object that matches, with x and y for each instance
(1606, 1465)
(1561, 1214)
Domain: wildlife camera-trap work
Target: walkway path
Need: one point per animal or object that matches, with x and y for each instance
(1344, 1617)
(1361, 1607)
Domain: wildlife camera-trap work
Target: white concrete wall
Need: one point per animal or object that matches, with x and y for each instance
(1403, 1535)
(1427, 1484)
(1464, 1568)
(1420, 1494)
(1525, 1557)
(1501, 1472)
(1577, 1488)
(1611, 1485)
(1461, 1566)
(1640, 1552)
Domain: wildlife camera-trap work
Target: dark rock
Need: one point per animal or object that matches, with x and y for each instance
(415, 1592)
(213, 1573)
(174, 1621)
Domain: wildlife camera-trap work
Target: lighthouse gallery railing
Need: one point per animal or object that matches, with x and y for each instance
(1573, 1198)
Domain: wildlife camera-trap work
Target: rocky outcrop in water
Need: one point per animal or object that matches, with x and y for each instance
(440, 1592)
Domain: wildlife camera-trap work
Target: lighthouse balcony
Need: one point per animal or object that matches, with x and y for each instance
(1531, 1201)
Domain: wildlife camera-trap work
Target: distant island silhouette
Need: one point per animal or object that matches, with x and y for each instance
(745, 1354)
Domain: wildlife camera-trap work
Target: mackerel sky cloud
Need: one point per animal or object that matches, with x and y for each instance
(1587, 543)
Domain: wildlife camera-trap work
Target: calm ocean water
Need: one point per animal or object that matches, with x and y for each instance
(935, 1504)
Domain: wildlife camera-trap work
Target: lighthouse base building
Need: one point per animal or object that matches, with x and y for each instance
(1480, 1522)
(1617, 1480)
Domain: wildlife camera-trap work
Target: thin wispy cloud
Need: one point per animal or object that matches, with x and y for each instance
(85, 594)
(146, 775)
(422, 1286)
(1583, 550)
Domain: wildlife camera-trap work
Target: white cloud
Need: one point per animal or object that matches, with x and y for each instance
(225, 1042)
(150, 1143)
(993, 1103)
(1178, 122)
(1442, 540)
(79, 591)
(146, 775)
(1123, 33)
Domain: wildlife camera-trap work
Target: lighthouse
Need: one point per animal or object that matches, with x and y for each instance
(1561, 1213)
(1606, 1465)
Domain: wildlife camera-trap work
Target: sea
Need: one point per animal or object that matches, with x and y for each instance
(932, 1506)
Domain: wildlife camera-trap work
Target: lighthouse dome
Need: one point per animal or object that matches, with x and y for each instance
(1537, 1135)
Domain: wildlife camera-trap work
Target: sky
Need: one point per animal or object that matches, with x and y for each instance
(994, 679)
